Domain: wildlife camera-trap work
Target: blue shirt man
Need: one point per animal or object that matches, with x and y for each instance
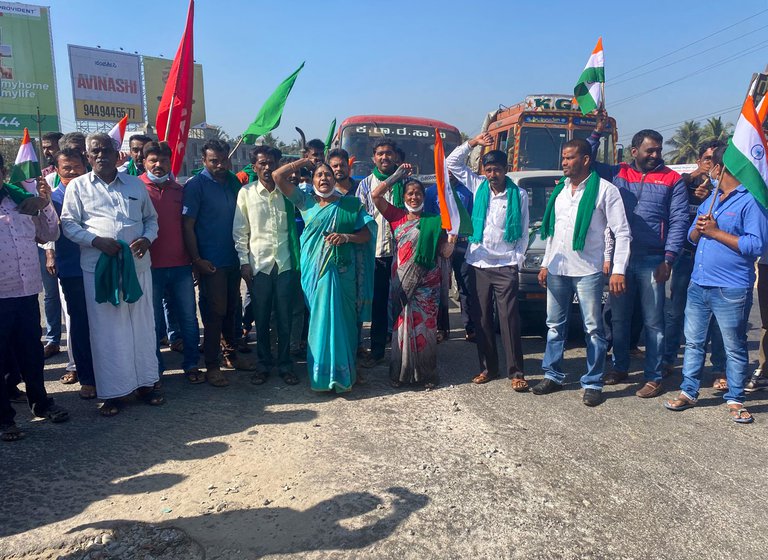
(728, 240)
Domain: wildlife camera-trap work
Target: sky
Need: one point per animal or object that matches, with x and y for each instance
(448, 60)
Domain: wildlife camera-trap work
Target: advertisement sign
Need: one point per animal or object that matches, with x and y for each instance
(27, 77)
(156, 74)
(106, 85)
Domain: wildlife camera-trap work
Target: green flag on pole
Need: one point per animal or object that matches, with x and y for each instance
(269, 116)
(329, 138)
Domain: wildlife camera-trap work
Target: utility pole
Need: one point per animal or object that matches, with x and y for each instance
(39, 120)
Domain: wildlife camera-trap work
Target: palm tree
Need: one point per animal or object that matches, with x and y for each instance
(685, 143)
(715, 129)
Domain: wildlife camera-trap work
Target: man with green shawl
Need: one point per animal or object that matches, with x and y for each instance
(496, 251)
(579, 210)
(135, 165)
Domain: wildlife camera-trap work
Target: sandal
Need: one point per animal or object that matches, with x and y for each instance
(87, 392)
(69, 378)
(291, 379)
(470, 337)
(10, 432)
(177, 346)
(680, 403)
(55, 414)
(259, 378)
(519, 385)
(430, 385)
(151, 396)
(739, 414)
(441, 336)
(483, 378)
(194, 376)
(720, 384)
(110, 407)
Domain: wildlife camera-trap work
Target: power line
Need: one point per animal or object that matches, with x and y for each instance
(751, 50)
(670, 126)
(691, 44)
(718, 46)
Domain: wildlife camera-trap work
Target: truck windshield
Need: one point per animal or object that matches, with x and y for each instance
(417, 142)
(540, 148)
(605, 151)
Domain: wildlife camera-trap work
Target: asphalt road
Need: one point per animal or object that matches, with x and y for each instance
(464, 471)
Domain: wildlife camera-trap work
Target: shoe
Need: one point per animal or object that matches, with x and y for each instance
(592, 397)
(164, 341)
(50, 350)
(18, 396)
(636, 352)
(614, 377)
(470, 336)
(649, 390)
(545, 387)
(370, 362)
(242, 346)
(757, 382)
(234, 361)
(667, 370)
(215, 377)
(177, 346)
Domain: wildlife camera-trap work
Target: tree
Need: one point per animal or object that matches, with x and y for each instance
(685, 143)
(464, 137)
(715, 129)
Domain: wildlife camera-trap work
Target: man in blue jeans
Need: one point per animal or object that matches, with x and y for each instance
(698, 186)
(171, 264)
(577, 214)
(728, 241)
(656, 205)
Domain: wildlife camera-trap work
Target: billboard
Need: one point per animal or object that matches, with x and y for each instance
(27, 77)
(156, 74)
(106, 85)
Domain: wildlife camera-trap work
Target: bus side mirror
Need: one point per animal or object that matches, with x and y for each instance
(619, 153)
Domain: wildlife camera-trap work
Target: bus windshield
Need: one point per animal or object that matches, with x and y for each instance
(417, 142)
(540, 147)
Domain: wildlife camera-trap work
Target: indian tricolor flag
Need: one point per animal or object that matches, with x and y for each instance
(453, 216)
(118, 132)
(26, 169)
(745, 156)
(588, 91)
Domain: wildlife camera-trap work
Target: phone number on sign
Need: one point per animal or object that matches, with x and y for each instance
(95, 110)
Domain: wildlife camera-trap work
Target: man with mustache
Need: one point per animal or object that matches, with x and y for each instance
(656, 204)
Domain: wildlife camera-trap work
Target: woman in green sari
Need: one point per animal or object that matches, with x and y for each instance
(337, 260)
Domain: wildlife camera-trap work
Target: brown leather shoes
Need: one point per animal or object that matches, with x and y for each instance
(50, 350)
(614, 377)
(650, 390)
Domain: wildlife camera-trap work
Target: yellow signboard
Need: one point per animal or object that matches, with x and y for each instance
(156, 74)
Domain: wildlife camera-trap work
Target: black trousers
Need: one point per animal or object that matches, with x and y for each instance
(221, 293)
(274, 291)
(461, 275)
(502, 283)
(380, 307)
(20, 335)
(80, 335)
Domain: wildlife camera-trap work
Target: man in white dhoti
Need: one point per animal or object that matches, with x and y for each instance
(104, 211)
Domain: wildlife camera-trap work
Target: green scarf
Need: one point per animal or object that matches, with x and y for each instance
(293, 235)
(248, 170)
(109, 271)
(397, 188)
(430, 228)
(15, 192)
(513, 229)
(132, 169)
(583, 214)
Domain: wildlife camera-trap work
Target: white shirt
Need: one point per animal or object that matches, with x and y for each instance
(260, 229)
(121, 210)
(385, 243)
(494, 251)
(561, 259)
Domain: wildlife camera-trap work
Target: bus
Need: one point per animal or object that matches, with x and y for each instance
(533, 132)
(414, 135)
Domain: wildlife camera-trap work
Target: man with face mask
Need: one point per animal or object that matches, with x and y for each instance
(109, 214)
(698, 185)
(384, 158)
(267, 244)
(729, 234)
(210, 200)
(135, 165)
(171, 265)
(656, 204)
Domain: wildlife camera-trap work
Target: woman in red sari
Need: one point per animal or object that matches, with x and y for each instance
(415, 285)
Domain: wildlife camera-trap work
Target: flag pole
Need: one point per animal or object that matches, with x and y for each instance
(236, 147)
(170, 114)
(602, 96)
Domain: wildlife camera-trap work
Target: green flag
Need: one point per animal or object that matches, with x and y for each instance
(269, 116)
(329, 138)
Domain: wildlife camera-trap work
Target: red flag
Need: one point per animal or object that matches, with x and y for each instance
(175, 110)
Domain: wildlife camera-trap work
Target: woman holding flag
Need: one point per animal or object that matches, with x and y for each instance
(416, 279)
(337, 259)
